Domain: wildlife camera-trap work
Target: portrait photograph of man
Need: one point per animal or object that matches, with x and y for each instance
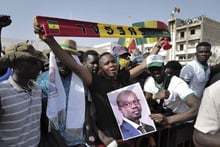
(131, 111)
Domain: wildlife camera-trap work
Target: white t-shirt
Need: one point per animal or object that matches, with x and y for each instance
(179, 92)
(208, 119)
(196, 75)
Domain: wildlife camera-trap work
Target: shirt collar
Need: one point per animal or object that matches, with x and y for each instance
(17, 87)
(132, 123)
(14, 84)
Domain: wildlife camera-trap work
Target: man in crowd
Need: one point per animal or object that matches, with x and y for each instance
(122, 57)
(172, 92)
(20, 107)
(67, 100)
(196, 73)
(173, 67)
(91, 60)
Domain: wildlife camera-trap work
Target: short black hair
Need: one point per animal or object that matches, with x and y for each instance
(122, 95)
(203, 44)
(105, 53)
(89, 52)
(174, 65)
(81, 56)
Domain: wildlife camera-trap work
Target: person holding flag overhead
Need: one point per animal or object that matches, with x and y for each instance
(108, 79)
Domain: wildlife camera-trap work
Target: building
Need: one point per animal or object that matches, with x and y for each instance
(105, 47)
(185, 35)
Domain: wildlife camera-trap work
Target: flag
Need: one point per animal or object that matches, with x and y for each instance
(75, 28)
(129, 43)
(149, 24)
(132, 43)
(176, 10)
(53, 26)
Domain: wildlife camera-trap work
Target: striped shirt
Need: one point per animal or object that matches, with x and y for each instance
(20, 113)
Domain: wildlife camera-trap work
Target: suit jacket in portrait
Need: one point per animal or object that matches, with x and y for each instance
(128, 131)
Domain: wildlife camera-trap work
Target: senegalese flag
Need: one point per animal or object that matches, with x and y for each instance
(129, 43)
(75, 28)
(176, 10)
(53, 26)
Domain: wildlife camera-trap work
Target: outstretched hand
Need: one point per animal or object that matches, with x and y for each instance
(159, 118)
(5, 20)
(39, 31)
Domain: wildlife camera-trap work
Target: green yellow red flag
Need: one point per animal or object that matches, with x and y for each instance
(75, 28)
(131, 43)
(149, 24)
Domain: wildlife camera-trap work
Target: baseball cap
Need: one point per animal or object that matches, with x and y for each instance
(155, 61)
(120, 50)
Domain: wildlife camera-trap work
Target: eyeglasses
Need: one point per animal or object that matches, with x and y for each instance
(129, 104)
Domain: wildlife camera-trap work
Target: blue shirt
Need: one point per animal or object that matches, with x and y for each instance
(6, 75)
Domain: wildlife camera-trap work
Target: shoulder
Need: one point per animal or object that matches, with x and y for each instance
(125, 125)
(8, 90)
(148, 127)
(213, 89)
(5, 85)
(188, 66)
(123, 73)
(178, 84)
(175, 79)
(149, 79)
(149, 84)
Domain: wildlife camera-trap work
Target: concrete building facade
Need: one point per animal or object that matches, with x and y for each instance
(186, 34)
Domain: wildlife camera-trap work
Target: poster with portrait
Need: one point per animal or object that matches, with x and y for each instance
(131, 111)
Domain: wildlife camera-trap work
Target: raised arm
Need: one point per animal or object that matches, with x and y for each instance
(65, 58)
(134, 72)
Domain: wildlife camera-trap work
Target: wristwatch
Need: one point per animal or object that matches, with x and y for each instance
(158, 46)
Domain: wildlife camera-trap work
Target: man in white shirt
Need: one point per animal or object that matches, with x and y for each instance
(207, 126)
(196, 73)
(177, 96)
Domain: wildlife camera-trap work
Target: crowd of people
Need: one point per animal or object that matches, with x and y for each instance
(60, 99)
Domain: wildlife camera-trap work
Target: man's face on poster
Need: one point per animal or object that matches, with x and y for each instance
(130, 106)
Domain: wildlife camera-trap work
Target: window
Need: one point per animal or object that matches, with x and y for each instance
(182, 34)
(192, 32)
(181, 47)
(182, 57)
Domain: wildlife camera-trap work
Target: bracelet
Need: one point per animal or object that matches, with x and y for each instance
(158, 46)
